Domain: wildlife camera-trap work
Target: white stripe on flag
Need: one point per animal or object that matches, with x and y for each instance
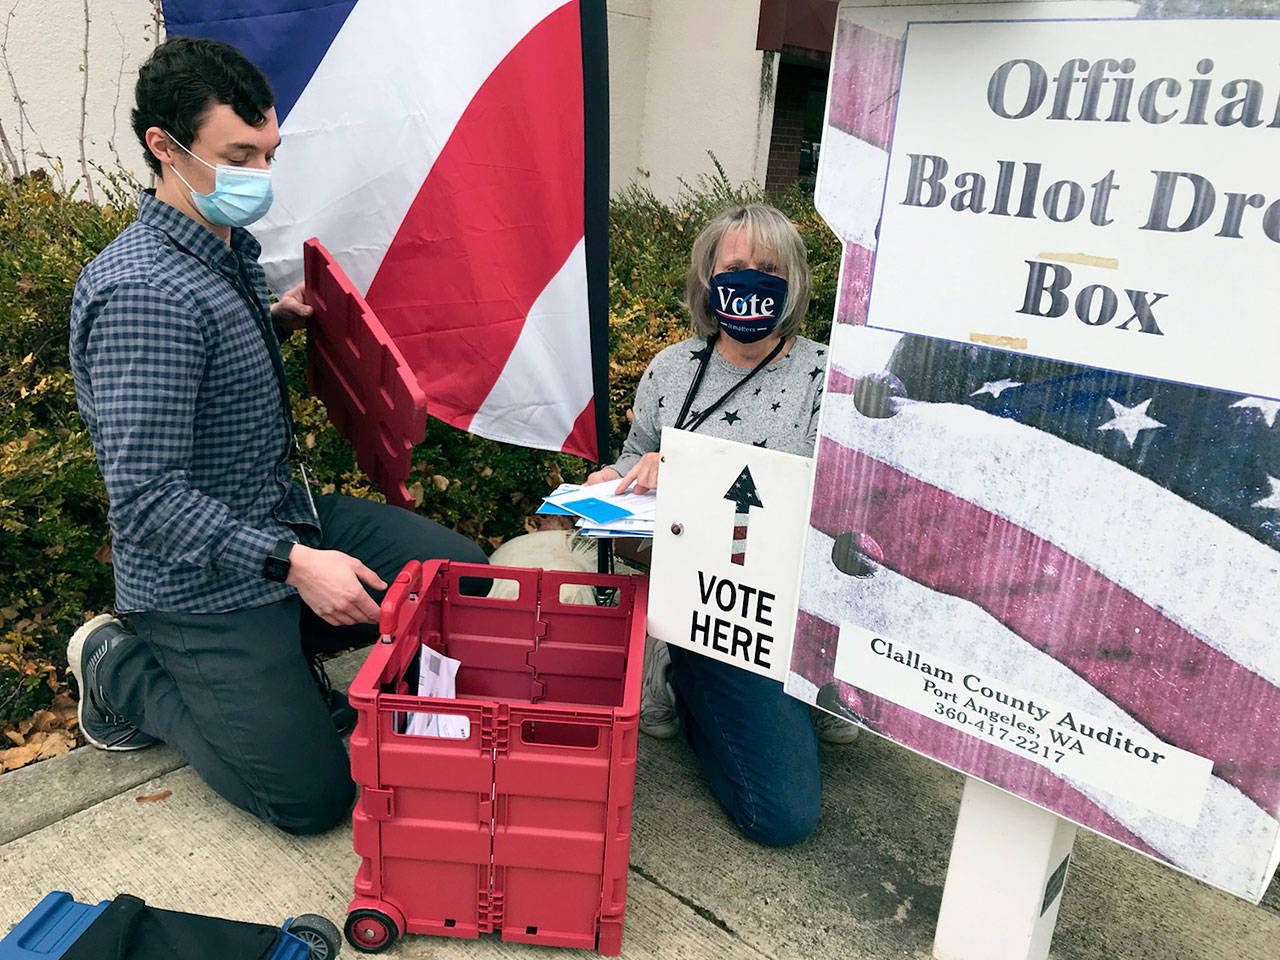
(1196, 569)
(1221, 848)
(542, 390)
(361, 139)
(850, 186)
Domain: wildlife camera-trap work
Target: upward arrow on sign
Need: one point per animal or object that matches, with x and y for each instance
(743, 494)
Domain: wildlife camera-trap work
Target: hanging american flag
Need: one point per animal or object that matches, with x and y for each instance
(1103, 541)
(452, 157)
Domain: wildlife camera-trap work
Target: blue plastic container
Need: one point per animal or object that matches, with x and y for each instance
(56, 923)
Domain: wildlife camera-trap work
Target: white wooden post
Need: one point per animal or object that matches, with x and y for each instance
(1005, 879)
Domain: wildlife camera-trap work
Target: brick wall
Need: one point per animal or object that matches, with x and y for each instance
(794, 120)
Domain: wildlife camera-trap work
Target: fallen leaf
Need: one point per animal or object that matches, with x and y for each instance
(103, 553)
(16, 757)
(442, 483)
(415, 493)
(56, 744)
(44, 721)
(155, 797)
(65, 709)
(14, 736)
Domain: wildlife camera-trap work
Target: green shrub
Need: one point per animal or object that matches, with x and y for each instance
(54, 544)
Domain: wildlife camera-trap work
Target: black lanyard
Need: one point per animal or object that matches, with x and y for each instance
(697, 382)
(263, 322)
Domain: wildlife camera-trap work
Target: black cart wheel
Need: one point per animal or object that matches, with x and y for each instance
(320, 935)
(370, 931)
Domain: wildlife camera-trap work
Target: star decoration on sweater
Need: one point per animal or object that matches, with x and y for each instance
(815, 372)
(1272, 500)
(1267, 409)
(1131, 421)
(757, 393)
(730, 417)
(700, 355)
(760, 443)
(660, 399)
(774, 406)
(996, 387)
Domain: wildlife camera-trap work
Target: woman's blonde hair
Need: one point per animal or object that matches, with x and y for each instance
(767, 228)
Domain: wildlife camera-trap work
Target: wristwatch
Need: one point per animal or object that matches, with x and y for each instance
(276, 566)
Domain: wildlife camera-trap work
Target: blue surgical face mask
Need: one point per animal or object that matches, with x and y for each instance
(241, 195)
(747, 303)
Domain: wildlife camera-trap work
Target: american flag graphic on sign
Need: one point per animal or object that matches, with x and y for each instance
(1105, 541)
(452, 157)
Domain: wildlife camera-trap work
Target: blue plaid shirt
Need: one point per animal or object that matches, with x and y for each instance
(177, 385)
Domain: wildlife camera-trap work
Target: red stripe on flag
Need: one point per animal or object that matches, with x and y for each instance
(1149, 666)
(740, 533)
(985, 760)
(582, 438)
(855, 284)
(864, 83)
(496, 218)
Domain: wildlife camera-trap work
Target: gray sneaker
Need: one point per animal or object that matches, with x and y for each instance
(832, 729)
(657, 697)
(89, 647)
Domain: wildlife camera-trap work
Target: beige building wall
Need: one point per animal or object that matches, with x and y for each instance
(685, 78)
(700, 85)
(43, 48)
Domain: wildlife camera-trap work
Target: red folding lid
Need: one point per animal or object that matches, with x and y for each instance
(372, 395)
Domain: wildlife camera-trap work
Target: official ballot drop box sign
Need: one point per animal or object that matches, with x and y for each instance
(726, 550)
(1044, 544)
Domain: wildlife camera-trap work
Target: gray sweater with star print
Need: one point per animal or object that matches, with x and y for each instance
(777, 408)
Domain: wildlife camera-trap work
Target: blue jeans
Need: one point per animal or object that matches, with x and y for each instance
(756, 745)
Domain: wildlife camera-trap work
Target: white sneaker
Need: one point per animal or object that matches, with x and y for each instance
(832, 729)
(657, 697)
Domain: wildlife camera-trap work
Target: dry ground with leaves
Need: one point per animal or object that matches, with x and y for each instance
(47, 733)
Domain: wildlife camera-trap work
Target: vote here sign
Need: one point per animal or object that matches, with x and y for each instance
(726, 550)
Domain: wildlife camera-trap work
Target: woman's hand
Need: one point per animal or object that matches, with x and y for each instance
(602, 475)
(644, 475)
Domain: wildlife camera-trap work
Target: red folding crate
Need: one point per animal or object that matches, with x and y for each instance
(524, 826)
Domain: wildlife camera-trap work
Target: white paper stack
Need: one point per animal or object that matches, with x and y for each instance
(601, 512)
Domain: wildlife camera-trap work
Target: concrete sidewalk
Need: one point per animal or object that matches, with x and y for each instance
(866, 886)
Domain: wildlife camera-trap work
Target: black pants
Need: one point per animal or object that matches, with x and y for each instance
(232, 694)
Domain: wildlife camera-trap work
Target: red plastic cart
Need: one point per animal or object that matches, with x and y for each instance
(524, 825)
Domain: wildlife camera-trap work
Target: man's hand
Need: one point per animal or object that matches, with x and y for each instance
(333, 584)
(292, 309)
(644, 475)
(601, 475)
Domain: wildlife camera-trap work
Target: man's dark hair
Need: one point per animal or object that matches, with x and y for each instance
(184, 77)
